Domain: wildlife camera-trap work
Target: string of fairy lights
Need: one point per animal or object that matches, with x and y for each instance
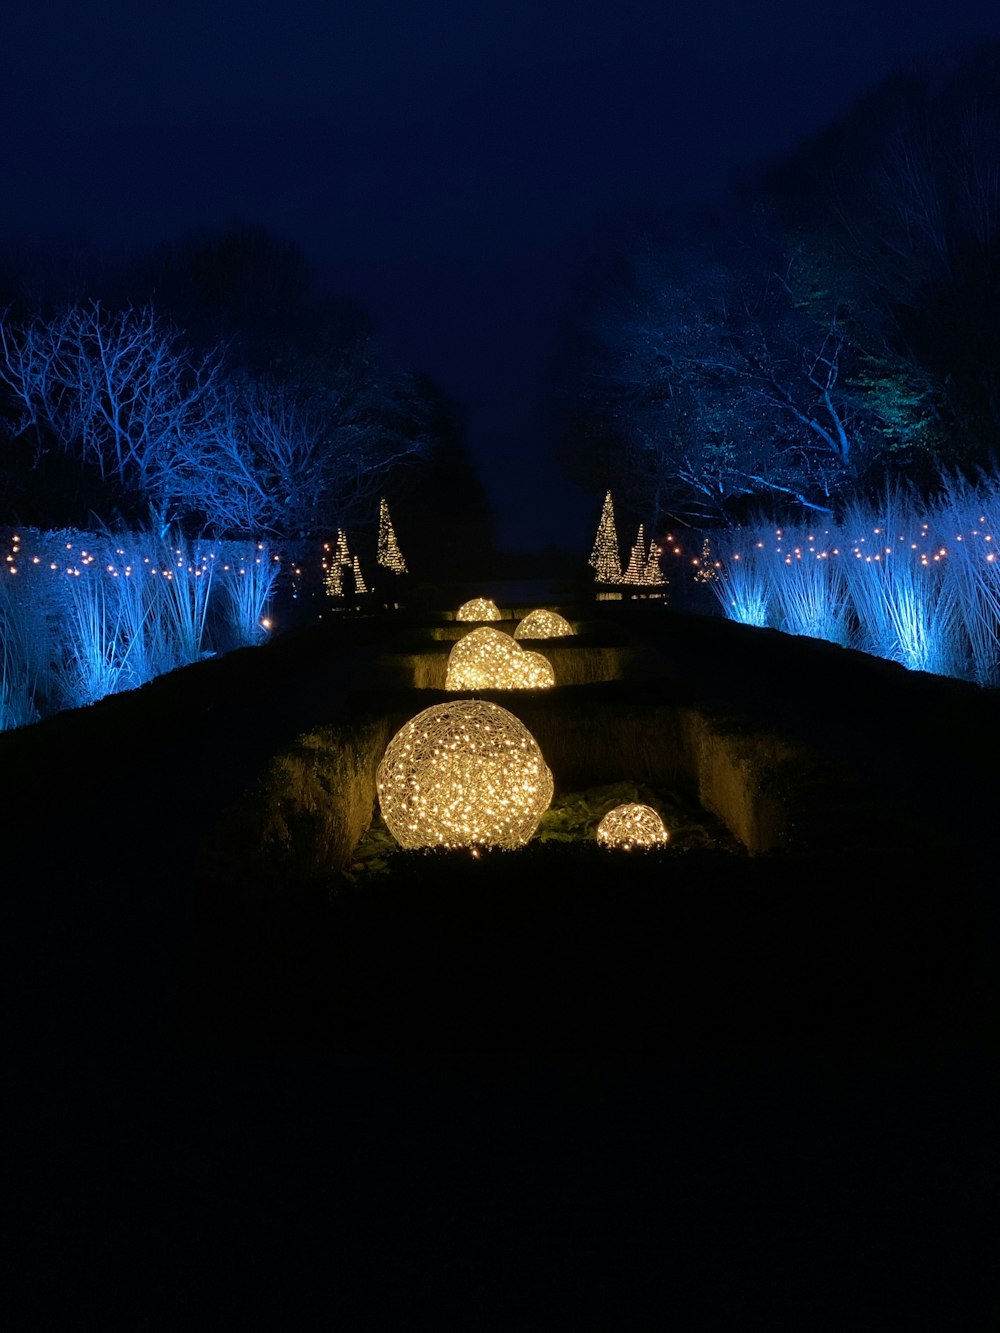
(900, 587)
(21, 561)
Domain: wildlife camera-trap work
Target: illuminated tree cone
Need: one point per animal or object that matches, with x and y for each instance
(628, 826)
(486, 659)
(604, 558)
(543, 624)
(636, 571)
(463, 774)
(480, 608)
(389, 553)
(359, 583)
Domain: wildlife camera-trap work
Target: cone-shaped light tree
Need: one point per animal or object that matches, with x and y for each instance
(605, 558)
(652, 575)
(359, 583)
(636, 571)
(389, 554)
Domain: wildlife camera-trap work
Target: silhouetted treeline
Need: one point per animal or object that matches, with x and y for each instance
(828, 324)
(207, 384)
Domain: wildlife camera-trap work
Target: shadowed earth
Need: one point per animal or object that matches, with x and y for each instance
(515, 1125)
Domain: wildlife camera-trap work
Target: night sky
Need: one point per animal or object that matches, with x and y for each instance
(452, 166)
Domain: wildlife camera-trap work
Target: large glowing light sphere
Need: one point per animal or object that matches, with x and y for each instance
(632, 825)
(463, 774)
(480, 608)
(487, 659)
(543, 624)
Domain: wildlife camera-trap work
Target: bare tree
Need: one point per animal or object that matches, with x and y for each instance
(117, 391)
(273, 458)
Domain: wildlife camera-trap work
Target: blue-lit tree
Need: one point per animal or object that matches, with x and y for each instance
(728, 373)
(178, 437)
(116, 391)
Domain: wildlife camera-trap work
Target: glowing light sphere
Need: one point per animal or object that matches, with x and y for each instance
(543, 624)
(480, 608)
(486, 659)
(463, 774)
(632, 825)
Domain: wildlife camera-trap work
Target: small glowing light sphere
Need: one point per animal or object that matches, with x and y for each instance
(543, 624)
(480, 608)
(486, 659)
(632, 825)
(463, 774)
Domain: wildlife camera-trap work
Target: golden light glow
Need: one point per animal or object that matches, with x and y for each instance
(479, 608)
(463, 774)
(632, 825)
(389, 555)
(487, 659)
(542, 624)
(604, 558)
(644, 563)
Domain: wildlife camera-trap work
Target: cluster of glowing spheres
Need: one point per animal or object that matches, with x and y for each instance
(486, 659)
(543, 624)
(632, 825)
(480, 608)
(463, 774)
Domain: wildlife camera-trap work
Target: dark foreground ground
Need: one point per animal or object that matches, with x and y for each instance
(765, 1099)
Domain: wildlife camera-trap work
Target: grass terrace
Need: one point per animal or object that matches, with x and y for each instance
(219, 859)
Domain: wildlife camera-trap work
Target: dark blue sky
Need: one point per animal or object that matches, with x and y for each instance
(447, 164)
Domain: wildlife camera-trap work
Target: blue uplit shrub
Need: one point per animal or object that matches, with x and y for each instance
(185, 574)
(915, 583)
(806, 584)
(895, 579)
(246, 581)
(94, 643)
(84, 615)
(742, 580)
(972, 570)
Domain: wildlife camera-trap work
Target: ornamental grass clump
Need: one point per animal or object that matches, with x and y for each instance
(246, 581)
(805, 584)
(742, 582)
(96, 658)
(970, 516)
(185, 588)
(894, 575)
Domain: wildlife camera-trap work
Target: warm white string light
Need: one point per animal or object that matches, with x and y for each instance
(478, 608)
(543, 624)
(631, 825)
(605, 557)
(486, 659)
(463, 774)
(389, 554)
